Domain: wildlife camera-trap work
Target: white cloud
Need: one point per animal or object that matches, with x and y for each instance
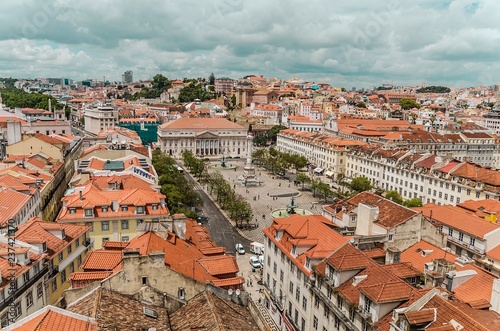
(354, 44)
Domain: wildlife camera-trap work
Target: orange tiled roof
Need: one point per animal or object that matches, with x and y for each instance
(458, 218)
(35, 230)
(92, 276)
(476, 288)
(52, 318)
(102, 260)
(321, 238)
(387, 291)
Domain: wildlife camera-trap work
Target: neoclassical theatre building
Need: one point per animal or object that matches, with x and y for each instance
(207, 137)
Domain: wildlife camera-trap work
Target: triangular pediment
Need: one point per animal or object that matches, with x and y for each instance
(207, 135)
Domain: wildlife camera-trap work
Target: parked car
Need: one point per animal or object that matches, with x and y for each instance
(239, 248)
(261, 259)
(254, 262)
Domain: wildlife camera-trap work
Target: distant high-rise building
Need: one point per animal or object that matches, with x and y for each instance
(127, 77)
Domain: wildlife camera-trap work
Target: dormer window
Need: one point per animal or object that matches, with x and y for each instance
(140, 209)
(44, 247)
(104, 209)
(88, 212)
(155, 206)
(124, 208)
(72, 210)
(294, 249)
(308, 263)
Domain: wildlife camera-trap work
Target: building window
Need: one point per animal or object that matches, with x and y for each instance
(367, 307)
(104, 209)
(88, 212)
(139, 222)
(124, 224)
(140, 209)
(71, 267)
(352, 313)
(17, 309)
(154, 206)
(291, 287)
(472, 241)
(104, 239)
(72, 211)
(39, 290)
(124, 208)
(26, 276)
(91, 224)
(336, 323)
(104, 226)
(339, 301)
(63, 276)
(29, 299)
(54, 285)
(478, 194)
(460, 236)
(450, 231)
(297, 294)
(144, 280)
(315, 323)
(60, 257)
(304, 303)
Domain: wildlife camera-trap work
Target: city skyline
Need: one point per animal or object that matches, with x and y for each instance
(452, 43)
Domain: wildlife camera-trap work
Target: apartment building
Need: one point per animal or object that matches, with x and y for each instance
(374, 219)
(23, 275)
(112, 213)
(294, 246)
(324, 151)
(425, 176)
(100, 117)
(467, 234)
(64, 247)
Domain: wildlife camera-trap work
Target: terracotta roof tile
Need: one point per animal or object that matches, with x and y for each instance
(115, 311)
(52, 318)
(207, 311)
(458, 218)
(102, 260)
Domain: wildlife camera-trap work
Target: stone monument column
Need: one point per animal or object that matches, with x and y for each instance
(249, 148)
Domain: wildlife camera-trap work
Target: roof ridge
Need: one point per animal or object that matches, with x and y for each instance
(212, 306)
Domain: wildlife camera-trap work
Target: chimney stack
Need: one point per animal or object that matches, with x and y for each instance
(81, 195)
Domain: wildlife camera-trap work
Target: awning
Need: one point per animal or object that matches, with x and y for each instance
(319, 170)
(329, 173)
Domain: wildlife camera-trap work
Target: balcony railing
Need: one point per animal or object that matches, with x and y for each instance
(340, 315)
(20, 290)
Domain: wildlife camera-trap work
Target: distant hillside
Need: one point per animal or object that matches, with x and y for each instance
(434, 89)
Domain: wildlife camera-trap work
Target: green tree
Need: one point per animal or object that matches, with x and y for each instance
(274, 131)
(161, 83)
(297, 161)
(408, 103)
(303, 179)
(211, 79)
(194, 91)
(394, 196)
(240, 210)
(325, 191)
(233, 101)
(260, 140)
(415, 202)
(360, 184)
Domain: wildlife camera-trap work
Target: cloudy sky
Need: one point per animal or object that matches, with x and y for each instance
(360, 43)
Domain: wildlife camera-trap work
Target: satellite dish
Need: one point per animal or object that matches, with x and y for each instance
(230, 292)
(237, 292)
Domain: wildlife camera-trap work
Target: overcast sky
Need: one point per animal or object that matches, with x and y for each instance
(360, 43)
